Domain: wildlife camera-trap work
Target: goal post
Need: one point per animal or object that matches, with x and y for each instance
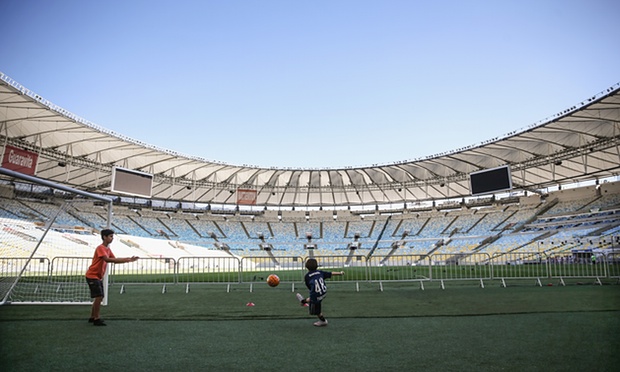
(48, 233)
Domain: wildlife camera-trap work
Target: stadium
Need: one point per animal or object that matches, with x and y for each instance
(536, 207)
(547, 193)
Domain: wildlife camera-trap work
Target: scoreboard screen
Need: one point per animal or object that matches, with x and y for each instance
(132, 182)
(490, 180)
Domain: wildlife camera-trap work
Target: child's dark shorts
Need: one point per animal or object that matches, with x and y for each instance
(314, 308)
(96, 287)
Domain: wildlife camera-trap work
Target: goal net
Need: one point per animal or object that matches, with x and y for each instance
(48, 234)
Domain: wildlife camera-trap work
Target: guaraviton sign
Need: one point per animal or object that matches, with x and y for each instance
(19, 160)
(246, 197)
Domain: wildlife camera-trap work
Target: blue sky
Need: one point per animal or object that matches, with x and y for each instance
(312, 84)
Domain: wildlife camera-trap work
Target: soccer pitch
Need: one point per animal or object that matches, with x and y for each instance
(402, 328)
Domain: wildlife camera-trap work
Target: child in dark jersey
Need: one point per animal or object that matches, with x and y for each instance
(315, 281)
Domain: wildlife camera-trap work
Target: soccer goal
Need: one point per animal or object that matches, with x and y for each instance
(48, 233)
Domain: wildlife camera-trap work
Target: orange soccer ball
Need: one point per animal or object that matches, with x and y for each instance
(273, 280)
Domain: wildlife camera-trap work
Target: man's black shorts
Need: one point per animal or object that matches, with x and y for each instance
(96, 287)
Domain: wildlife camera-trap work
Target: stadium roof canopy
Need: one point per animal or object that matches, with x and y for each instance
(579, 144)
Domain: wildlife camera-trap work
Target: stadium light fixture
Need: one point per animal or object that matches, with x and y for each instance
(222, 246)
(354, 245)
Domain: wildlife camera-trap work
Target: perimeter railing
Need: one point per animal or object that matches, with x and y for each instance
(613, 265)
(520, 266)
(441, 268)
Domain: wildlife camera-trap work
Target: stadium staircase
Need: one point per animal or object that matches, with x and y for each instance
(376, 244)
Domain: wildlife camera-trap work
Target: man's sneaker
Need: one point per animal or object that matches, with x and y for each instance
(90, 320)
(99, 322)
(320, 323)
(300, 298)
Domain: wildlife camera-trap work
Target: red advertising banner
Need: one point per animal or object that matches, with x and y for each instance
(19, 160)
(246, 197)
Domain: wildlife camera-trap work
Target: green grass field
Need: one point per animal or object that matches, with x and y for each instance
(463, 328)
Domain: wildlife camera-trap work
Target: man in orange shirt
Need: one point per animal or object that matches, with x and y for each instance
(96, 271)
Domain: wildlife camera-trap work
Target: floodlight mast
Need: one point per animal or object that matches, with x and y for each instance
(310, 247)
(267, 248)
(399, 244)
(352, 247)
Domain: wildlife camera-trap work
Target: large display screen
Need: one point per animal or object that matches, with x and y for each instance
(490, 180)
(132, 182)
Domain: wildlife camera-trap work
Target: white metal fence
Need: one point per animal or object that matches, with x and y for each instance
(42, 276)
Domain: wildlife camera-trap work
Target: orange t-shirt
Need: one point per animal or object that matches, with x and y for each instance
(98, 265)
